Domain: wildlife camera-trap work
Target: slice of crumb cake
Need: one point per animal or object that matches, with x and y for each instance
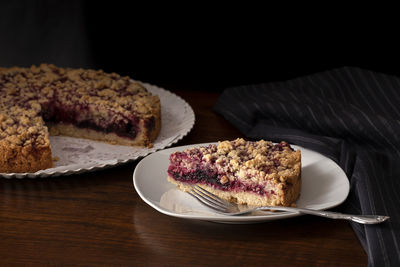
(254, 173)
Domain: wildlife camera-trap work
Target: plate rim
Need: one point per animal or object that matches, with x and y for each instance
(42, 174)
(225, 218)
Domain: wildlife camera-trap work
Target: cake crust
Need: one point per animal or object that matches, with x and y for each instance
(24, 158)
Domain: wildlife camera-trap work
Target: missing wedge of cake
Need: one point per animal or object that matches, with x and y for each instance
(245, 172)
(84, 103)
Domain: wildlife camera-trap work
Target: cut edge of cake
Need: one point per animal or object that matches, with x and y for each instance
(145, 137)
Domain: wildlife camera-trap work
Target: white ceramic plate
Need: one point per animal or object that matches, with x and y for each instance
(83, 155)
(324, 185)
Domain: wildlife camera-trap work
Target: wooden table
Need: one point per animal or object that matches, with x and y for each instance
(98, 219)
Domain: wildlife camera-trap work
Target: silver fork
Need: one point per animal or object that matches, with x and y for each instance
(224, 207)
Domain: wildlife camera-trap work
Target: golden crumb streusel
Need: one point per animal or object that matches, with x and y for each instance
(259, 161)
(22, 127)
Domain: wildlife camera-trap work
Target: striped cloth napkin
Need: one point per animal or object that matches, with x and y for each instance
(348, 114)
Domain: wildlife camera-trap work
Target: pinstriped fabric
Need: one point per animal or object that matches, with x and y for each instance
(348, 114)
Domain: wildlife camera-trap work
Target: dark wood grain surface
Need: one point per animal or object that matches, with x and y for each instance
(97, 219)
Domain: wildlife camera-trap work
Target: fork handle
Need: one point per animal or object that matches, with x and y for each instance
(364, 219)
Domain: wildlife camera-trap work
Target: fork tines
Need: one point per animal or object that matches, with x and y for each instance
(209, 199)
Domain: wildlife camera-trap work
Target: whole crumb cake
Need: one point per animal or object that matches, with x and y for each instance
(254, 173)
(45, 99)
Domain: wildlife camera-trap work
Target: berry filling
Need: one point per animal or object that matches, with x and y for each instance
(80, 116)
(204, 177)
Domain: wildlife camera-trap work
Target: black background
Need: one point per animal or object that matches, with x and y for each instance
(191, 47)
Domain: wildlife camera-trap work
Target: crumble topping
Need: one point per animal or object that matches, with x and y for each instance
(259, 162)
(22, 127)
